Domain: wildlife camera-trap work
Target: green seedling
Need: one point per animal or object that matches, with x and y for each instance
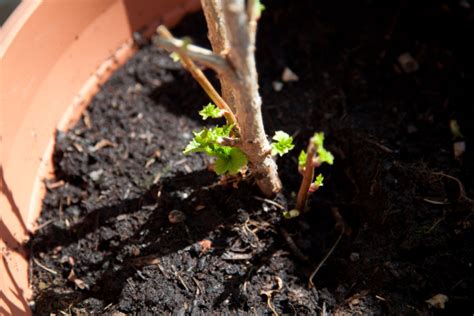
(308, 161)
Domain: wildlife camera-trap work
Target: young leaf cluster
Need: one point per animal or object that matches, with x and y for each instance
(211, 111)
(229, 159)
(324, 155)
(317, 183)
(302, 158)
(259, 7)
(282, 143)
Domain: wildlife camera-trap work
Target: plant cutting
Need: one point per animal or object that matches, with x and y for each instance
(232, 29)
(243, 138)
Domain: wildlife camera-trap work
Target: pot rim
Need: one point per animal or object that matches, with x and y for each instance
(23, 189)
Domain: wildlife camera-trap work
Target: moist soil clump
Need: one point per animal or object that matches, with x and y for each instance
(131, 225)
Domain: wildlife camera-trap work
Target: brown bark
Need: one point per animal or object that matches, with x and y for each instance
(247, 98)
(220, 45)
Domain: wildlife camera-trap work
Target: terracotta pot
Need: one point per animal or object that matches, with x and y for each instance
(54, 55)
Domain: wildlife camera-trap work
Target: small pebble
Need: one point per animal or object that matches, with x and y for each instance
(408, 63)
(459, 148)
(95, 175)
(277, 86)
(176, 216)
(186, 135)
(183, 195)
(438, 301)
(135, 251)
(354, 256)
(288, 75)
(199, 207)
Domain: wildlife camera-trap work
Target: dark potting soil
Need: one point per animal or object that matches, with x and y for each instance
(106, 244)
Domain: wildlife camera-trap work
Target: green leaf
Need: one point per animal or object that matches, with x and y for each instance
(210, 111)
(192, 147)
(259, 7)
(282, 144)
(302, 158)
(202, 142)
(318, 139)
(175, 56)
(316, 184)
(206, 141)
(319, 181)
(231, 163)
(222, 131)
(325, 156)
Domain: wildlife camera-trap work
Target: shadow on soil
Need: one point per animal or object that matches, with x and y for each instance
(157, 237)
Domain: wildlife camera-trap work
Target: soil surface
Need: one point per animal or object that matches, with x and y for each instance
(106, 244)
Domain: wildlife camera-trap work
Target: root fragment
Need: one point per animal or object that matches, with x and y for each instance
(269, 293)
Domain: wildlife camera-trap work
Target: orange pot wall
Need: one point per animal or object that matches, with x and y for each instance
(54, 55)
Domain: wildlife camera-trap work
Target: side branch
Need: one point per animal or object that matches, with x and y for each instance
(197, 74)
(196, 53)
(308, 175)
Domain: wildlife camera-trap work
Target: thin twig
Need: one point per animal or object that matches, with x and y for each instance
(44, 267)
(281, 207)
(198, 285)
(196, 53)
(269, 294)
(48, 222)
(310, 281)
(200, 77)
(427, 200)
(253, 233)
(180, 279)
(462, 191)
